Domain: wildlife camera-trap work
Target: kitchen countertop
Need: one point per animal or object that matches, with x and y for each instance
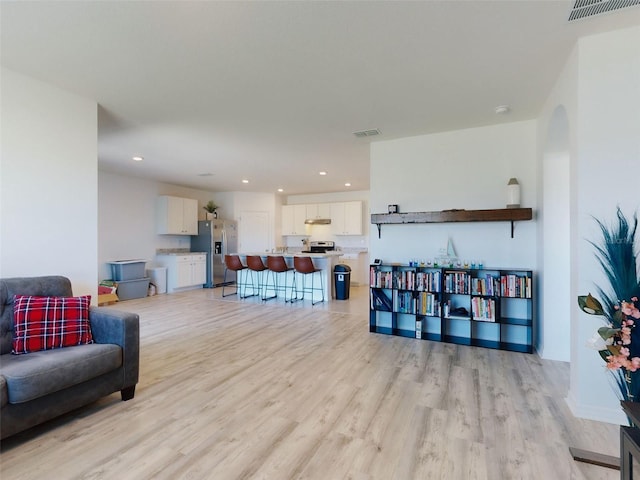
(293, 254)
(177, 251)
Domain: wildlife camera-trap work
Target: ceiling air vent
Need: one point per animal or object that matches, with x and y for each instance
(368, 133)
(589, 8)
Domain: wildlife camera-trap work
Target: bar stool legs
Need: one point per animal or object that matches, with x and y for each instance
(276, 267)
(257, 267)
(233, 263)
(261, 275)
(305, 267)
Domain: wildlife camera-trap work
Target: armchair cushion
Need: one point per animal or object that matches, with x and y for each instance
(45, 323)
(41, 373)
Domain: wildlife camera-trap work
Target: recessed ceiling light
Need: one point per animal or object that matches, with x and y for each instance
(137, 159)
(280, 190)
(502, 109)
(244, 180)
(347, 184)
(322, 173)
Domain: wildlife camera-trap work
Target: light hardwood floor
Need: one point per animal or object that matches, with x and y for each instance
(238, 389)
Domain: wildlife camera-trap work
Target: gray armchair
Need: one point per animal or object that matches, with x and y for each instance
(39, 386)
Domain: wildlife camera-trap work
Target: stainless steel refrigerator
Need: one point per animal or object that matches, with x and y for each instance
(216, 238)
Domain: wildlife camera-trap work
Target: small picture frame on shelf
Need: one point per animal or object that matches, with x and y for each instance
(392, 208)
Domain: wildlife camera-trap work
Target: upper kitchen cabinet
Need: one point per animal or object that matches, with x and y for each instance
(293, 217)
(346, 218)
(319, 211)
(177, 216)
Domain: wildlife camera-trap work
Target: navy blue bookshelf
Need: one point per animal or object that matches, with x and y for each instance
(488, 307)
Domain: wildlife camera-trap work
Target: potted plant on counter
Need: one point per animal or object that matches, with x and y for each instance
(211, 208)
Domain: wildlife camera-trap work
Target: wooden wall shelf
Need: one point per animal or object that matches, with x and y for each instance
(493, 215)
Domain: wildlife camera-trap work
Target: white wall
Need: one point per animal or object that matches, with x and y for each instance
(48, 195)
(127, 228)
(464, 169)
(607, 173)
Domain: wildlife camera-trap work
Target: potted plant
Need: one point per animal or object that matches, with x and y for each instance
(618, 340)
(211, 208)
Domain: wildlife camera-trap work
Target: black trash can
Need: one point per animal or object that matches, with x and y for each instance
(342, 281)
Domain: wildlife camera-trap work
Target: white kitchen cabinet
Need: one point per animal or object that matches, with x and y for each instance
(184, 271)
(316, 211)
(177, 216)
(199, 270)
(293, 217)
(346, 218)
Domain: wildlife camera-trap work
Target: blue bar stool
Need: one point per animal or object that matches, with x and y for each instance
(276, 267)
(304, 266)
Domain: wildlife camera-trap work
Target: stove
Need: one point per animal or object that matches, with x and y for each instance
(320, 247)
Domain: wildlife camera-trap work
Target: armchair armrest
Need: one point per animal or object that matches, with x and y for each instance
(119, 328)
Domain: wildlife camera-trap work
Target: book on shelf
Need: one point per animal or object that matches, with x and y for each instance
(428, 304)
(404, 279)
(488, 286)
(515, 286)
(380, 278)
(428, 281)
(483, 309)
(404, 302)
(456, 282)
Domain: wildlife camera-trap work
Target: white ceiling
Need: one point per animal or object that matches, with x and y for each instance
(273, 91)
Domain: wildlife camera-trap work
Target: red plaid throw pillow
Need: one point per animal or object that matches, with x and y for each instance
(44, 323)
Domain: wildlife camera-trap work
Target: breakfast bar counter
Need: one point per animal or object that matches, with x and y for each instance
(323, 261)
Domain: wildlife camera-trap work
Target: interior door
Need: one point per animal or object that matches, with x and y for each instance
(254, 232)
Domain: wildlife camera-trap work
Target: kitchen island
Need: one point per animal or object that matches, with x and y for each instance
(323, 261)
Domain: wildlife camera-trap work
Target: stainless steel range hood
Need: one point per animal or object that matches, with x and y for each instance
(317, 221)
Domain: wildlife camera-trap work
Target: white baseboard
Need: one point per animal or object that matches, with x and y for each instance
(599, 414)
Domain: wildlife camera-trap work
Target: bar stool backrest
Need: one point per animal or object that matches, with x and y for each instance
(233, 262)
(254, 262)
(303, 265)
(277, 264)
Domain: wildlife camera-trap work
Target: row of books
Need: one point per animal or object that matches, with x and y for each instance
(456, 282)
(487, 286)
(483, 309)
(428, 304)
(424, 303)
(403, 302)
(515, 286)
(428, 281)
(380, 279)
(419, 281)
(406, 280)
